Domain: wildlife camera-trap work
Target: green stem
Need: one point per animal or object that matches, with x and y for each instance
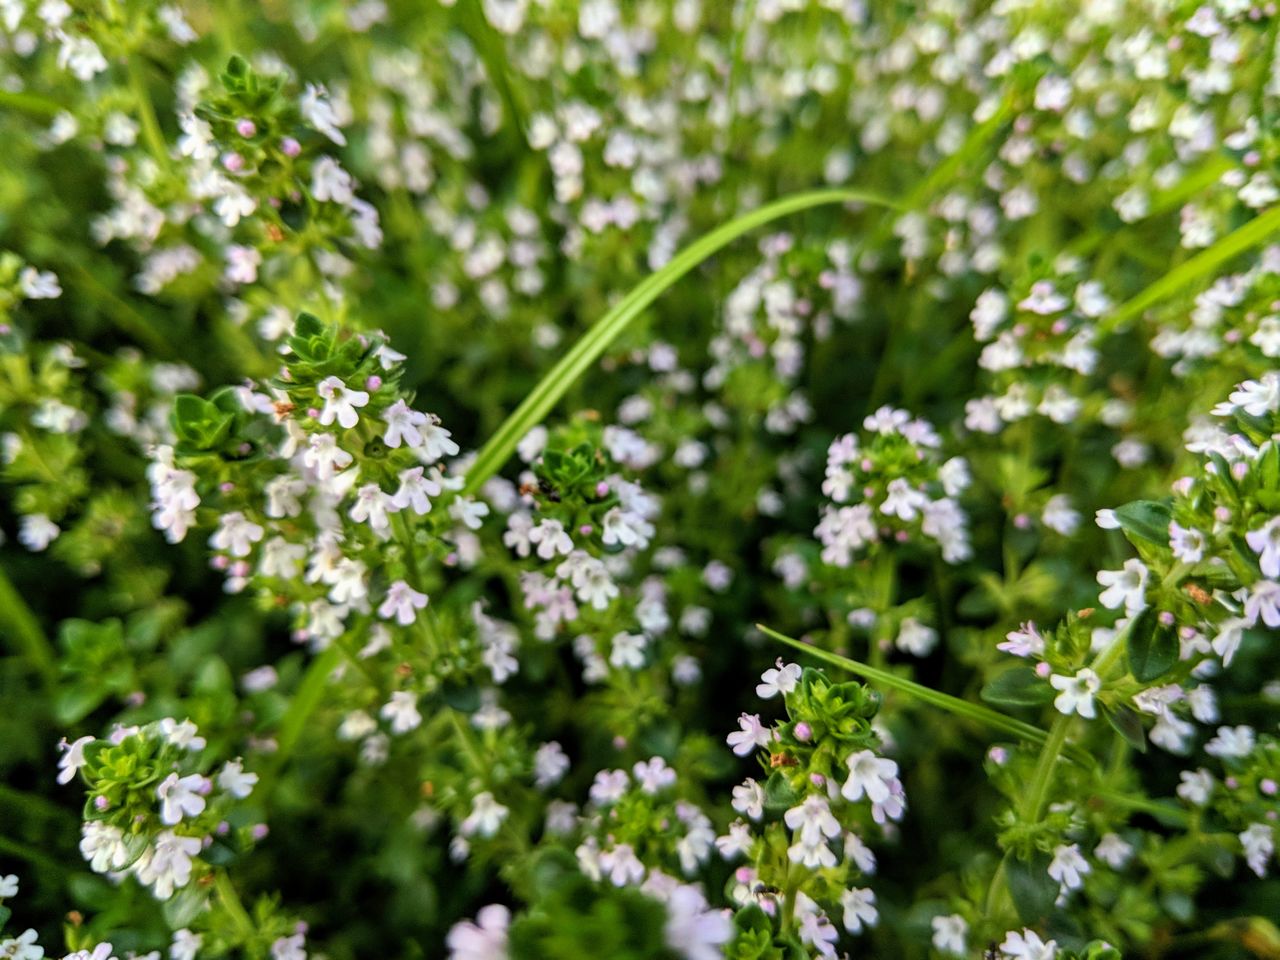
(595, 341)
(230, 900)
(30, 103)
(936, 698)
(1037, 793)
(305, 701)
(146, 111)
(22, 626)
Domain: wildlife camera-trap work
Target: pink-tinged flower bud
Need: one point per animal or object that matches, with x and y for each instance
(451, 559)
(1221, 514)
(998, 755)
(246, 127)
(803, 732)
(619, 742)
(1239, 469)
(137, 698)
(220, 562)
(206, 842)
(1252, 158)
(101, 803)
(866, 466)
(313, 413)
(1232, 336)
(301, 927)
(259, 830)
(222, 829)
(245, 449)
(226, 486)
(586, 529)
(1182, 486)
(233, 162)
(1060, 326)
(1232, 783)
(1165, 618)
(902, 536)
(206, 787)
(1268, 787)
(275, 203)
(290, 147)
(1022, 521)
(744, 874)
(1019, 329)
(5, 329)
(301, 636)
(817, 779)
(602, 489)
(1043, 670)
(1270, 815)
(240, 568)
(373, 382)
(769, 906)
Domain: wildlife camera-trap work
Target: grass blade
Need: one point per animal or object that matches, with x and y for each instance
(945, 701)
(1245, 238)
(595, 341)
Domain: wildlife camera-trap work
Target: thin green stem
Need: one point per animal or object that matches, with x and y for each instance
(31, 103)
(21, 625)
(1038, 791)
(230, 901)
(955, 705)
(146, 111)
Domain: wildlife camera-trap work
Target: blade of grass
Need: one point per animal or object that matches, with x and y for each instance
(1245, 238)
(294, 722)
(595, 341)
(945, 701)
(23, 629)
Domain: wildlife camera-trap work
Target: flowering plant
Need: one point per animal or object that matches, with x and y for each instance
(410, 468)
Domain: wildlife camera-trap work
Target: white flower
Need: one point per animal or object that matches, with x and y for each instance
(36, 531)
(181, 797)
(1258, 842)
(39, 285)
(950, 933)
(186, 945)
(486, 816)
(693, 929)
(484, 940)
(318, 111)
(469, 512)
(903, 501)
(621, 865)
(1113, 850)
(653, 775)
(869, 774)
(415, 489)
(402, 602)
(330, 182)
(166, 866)
(403, 425)
(1265, 541)
(1077, 692)
(22, 947)
(1126, 587)
(103, 846)
(1228, 638)
(8, 886)
(340, 402)
(779, 679)
(549, 765)
(72, 759)
(401, 711)
(81, 56)
(1027, 945)
(1231, 742)
(627, 650)
(1196, 786)
(1187, 544)
(916, 638)
(1068, 867)
(236, 534)
(289, 948)
(859, 908)
(751, 735)
(812, 820)
(235, 780)
(748, 799)
(551, 539)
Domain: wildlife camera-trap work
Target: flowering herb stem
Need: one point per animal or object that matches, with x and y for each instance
(955, 705)
(539, 402)
(21, 624)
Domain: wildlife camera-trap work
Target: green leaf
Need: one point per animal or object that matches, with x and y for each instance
(1128, 724)
(779, 795)
(1018, 687)
(595, 341)
(1032, 889)
(1151, 647)
(1147, 520)
(73, 704)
